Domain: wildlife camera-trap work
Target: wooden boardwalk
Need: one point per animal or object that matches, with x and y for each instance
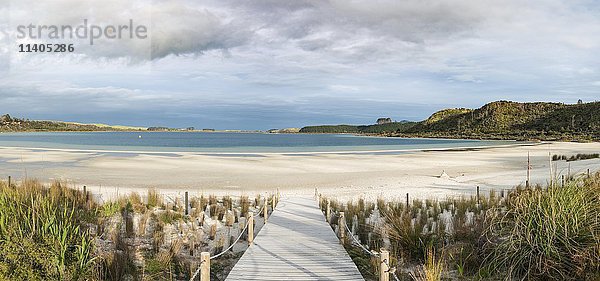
(296, 244)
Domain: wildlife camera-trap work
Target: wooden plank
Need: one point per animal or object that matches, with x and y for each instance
(296, 244)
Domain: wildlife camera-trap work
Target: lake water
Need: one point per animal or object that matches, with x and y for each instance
(217, 142)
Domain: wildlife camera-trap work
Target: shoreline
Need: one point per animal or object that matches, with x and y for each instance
(460, 148)
(375, 135)
(344, 175)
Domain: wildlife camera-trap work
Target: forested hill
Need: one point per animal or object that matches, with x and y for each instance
(391, 127)
(506, 120)
(11, 124)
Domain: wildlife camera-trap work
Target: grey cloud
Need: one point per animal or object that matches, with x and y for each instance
(177, 27)
(192, 27)
(355, 30)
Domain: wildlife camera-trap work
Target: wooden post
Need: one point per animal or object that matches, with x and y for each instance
(550, 162)
(9, 181)
(266, 210)
(569, 172)
(342, 226)
(563, 180)
(588, 173)
(192, 246)
(213, 230)
(85, 193)
(328, 211)
(229, 218)
(406, 200)
(274, 202)
(528, 170)
(316, 193)
(384, 270)
(201, 218)
(250, 228)
(478, 194)
(320, 201)
(502, 193)
(205, 266)
(186, 204)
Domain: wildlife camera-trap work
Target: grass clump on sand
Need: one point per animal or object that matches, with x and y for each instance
(551, 234)
(577, 157)
(432, 269)
(40, 234)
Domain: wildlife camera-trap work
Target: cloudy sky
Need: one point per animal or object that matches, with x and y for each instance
(264, 64)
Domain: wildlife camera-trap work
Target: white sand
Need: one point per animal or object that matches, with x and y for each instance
(342, 175)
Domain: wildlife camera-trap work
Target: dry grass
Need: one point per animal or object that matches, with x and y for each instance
(433, 268)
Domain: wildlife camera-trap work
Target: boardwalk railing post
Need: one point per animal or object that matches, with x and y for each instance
(384, 270)
(266, 209)
(9, 181)
(250, 228)
(342, 226)
(328, 210)
(205, 266)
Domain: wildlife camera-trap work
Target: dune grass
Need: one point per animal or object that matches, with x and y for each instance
(537, 233)
(54, 232)
(548, 234)
(41, 233)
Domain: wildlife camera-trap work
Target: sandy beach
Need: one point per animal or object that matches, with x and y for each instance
(346, 175)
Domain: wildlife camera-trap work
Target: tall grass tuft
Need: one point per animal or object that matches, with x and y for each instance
(432, 269)
(154, 198)
(548, 234)
(40, 234)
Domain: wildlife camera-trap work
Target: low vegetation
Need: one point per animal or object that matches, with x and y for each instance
(535, 233)
(43, 234)
(513, 120)
(11, 124)
(59, 233)
(577, 157)
(361, 129)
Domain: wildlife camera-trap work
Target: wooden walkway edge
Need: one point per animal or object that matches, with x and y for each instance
(296, 244)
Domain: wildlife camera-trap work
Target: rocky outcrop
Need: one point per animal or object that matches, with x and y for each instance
(385, 120)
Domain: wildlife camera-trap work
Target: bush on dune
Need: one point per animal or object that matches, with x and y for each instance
(551, 234)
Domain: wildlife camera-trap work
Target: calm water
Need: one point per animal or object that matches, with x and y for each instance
(226, 142)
